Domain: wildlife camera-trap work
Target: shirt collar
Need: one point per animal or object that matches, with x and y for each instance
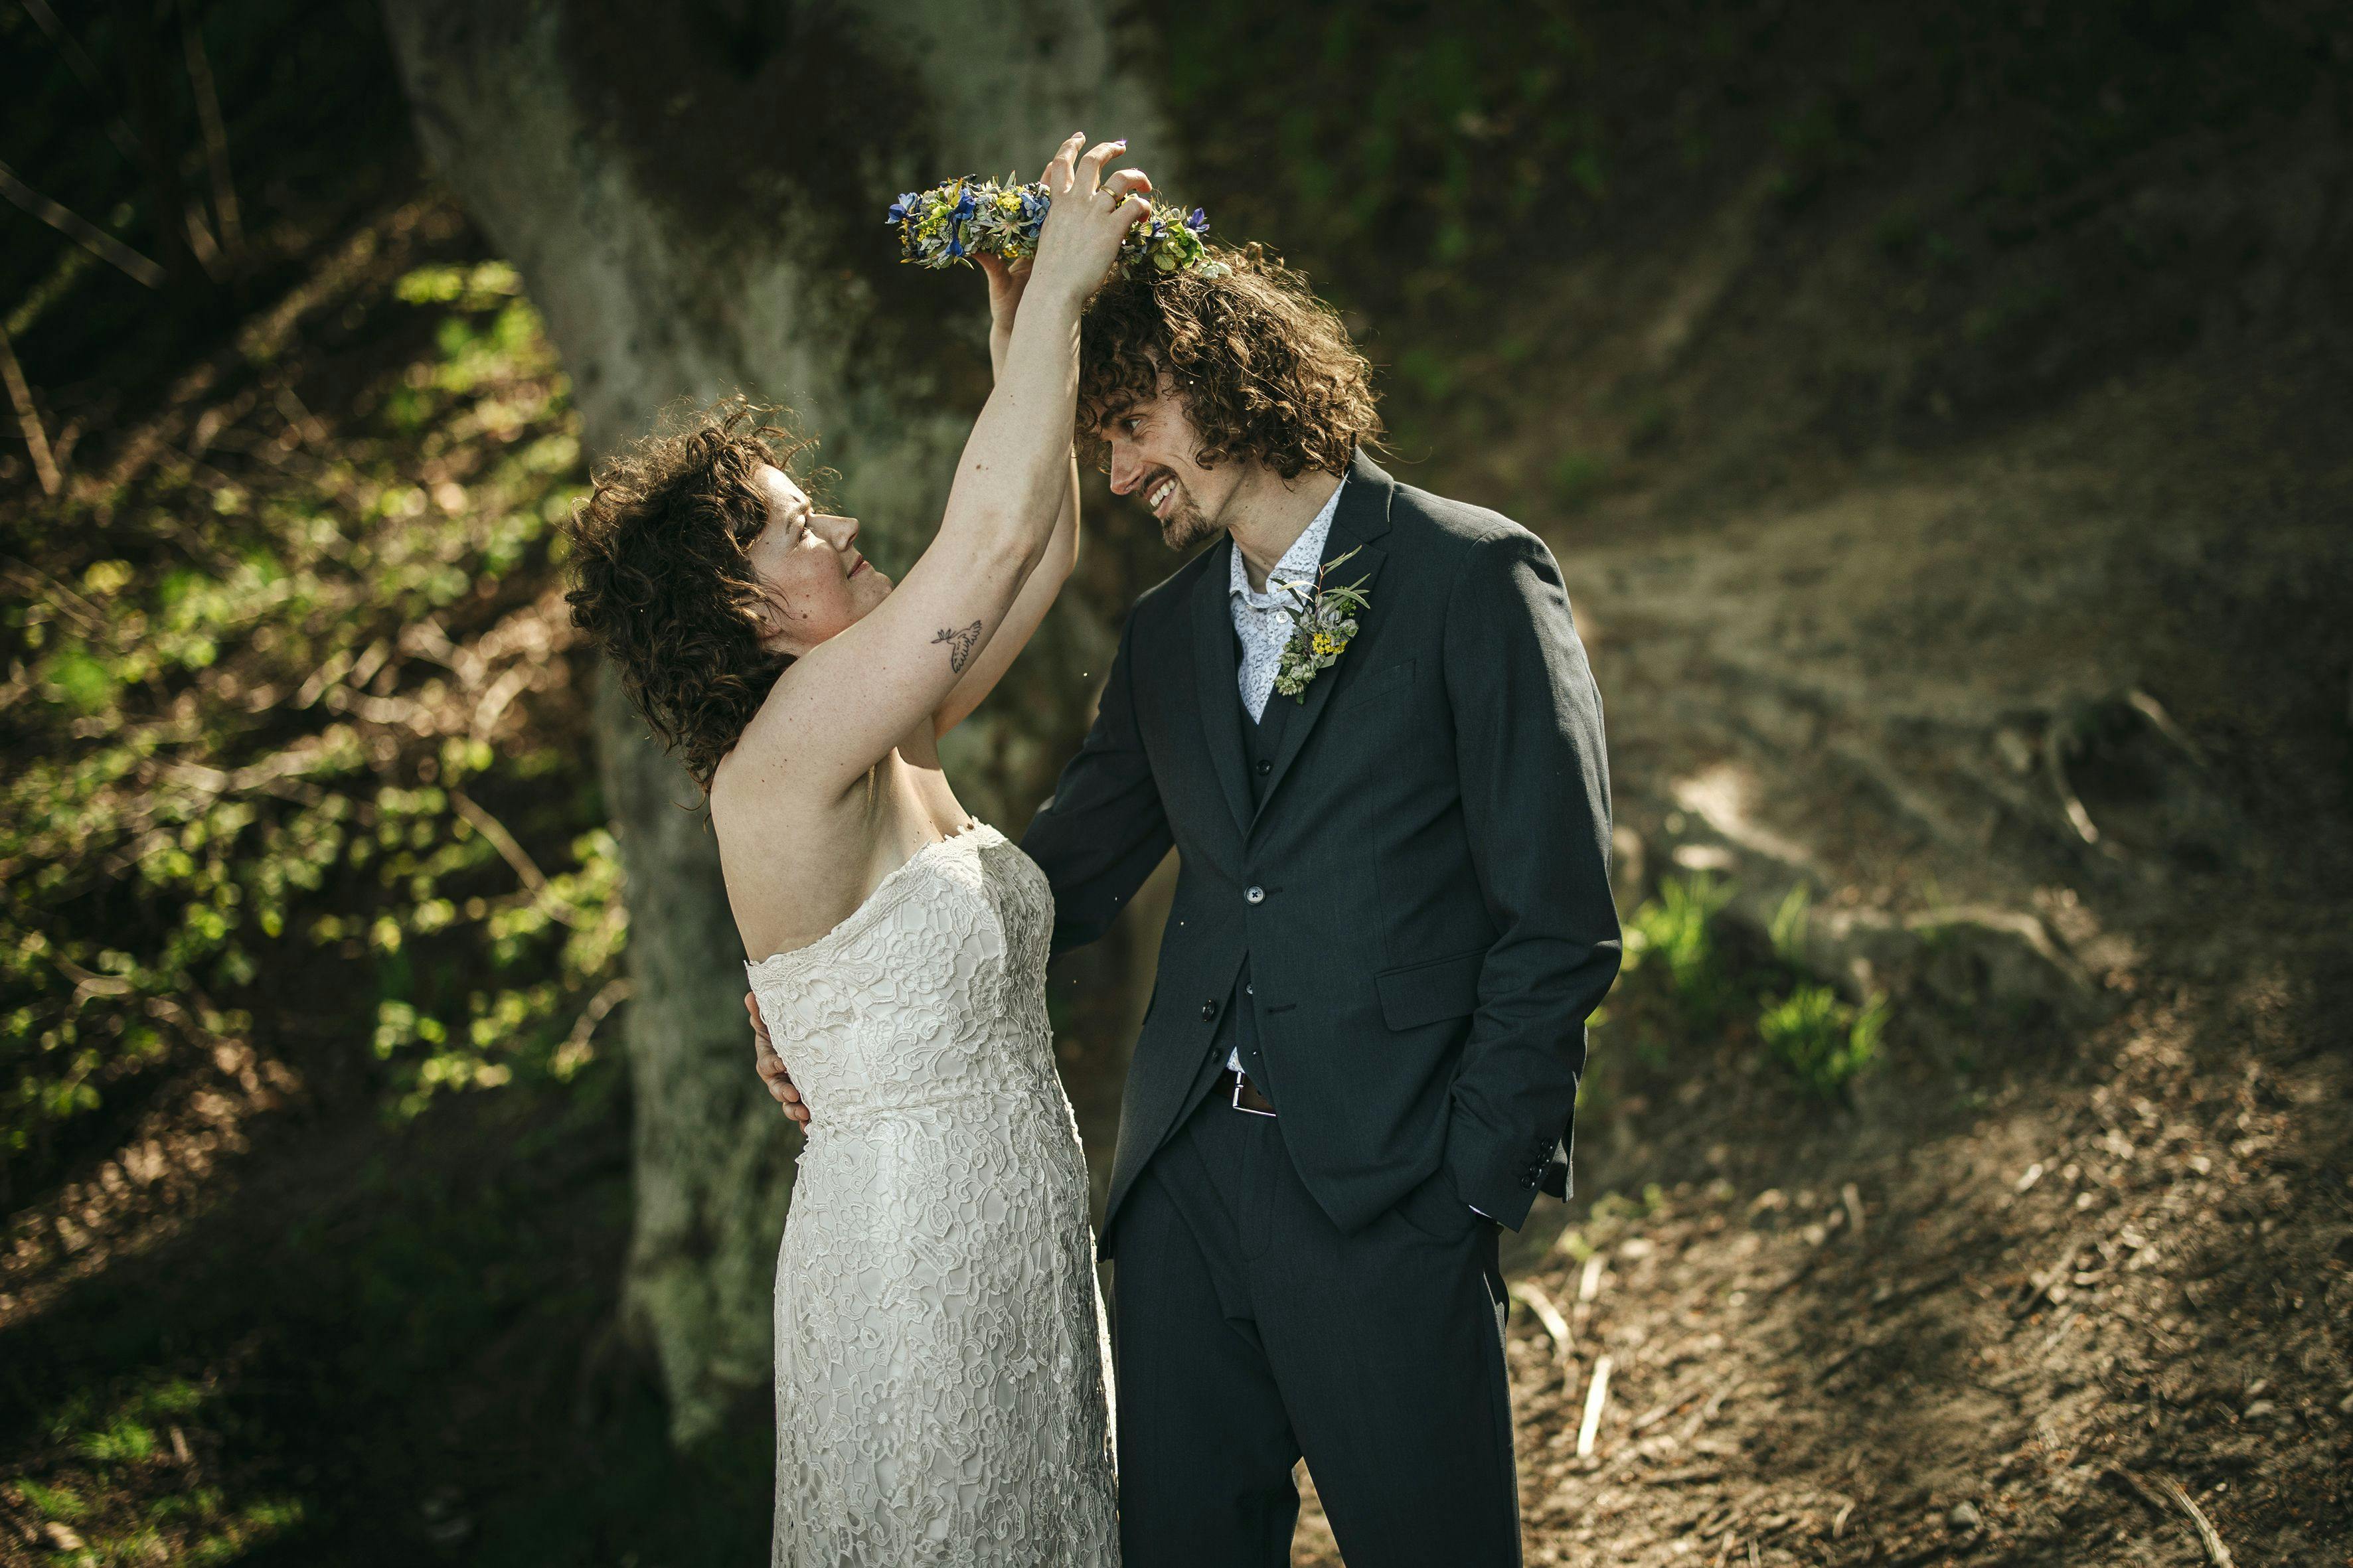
(1299, 563)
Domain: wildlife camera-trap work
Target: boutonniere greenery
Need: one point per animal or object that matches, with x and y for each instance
(1322, 622)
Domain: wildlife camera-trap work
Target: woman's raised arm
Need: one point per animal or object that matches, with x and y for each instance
(845, 703)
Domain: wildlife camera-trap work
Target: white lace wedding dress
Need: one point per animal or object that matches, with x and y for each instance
(943, 1371)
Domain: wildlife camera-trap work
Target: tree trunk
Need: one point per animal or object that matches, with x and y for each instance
(693, 195)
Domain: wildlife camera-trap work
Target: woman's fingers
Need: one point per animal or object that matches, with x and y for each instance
(1060, 172)
(1127, 183)
(1089, 170)
(771, 1067)
(1134, 210)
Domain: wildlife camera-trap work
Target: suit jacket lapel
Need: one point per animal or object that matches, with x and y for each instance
(1217, 676)
(1363, 517)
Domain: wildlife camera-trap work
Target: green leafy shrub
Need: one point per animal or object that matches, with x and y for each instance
(291, 728)
(1821, 1039)
(1674, 931)
(1688, 972)
(1789, 928)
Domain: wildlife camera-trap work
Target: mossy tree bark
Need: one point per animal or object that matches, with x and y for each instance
(693, 197)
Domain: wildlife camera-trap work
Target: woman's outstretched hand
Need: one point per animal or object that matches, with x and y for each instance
(1089, 218)
(1007, 279)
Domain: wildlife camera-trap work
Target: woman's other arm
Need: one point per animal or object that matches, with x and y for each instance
(1021, 622)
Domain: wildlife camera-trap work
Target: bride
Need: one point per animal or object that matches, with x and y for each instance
(942, 1368)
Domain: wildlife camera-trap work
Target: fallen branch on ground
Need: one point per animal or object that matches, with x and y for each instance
(2173, 1492)
(1597, 1394)
(1530, 1294)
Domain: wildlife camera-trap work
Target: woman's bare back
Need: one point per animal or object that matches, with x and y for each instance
(797, 868)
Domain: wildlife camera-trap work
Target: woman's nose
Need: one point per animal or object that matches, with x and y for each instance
(837, 531)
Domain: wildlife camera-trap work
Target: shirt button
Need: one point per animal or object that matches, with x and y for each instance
(1208, 1012)
(1255, 895)
(1249, 989)
(1265, 767)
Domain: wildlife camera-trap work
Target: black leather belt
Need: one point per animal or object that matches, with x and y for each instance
(1235, 1089)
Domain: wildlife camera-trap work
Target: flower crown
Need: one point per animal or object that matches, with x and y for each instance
(953, 222)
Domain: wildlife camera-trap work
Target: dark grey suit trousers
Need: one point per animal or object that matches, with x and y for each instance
(1251, 1332)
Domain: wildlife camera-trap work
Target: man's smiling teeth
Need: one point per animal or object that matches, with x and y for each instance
(1161, 493)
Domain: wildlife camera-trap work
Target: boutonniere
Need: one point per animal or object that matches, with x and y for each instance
(1323, 622)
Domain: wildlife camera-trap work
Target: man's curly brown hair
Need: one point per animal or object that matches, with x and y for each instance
(662, 582)
(1265, 368)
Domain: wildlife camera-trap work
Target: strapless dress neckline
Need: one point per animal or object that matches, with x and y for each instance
(874, 900)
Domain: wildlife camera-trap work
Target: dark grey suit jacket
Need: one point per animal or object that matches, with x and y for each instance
(1432, 922)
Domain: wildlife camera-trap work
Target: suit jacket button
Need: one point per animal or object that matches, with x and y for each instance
(1208, 1012)
(1254, 894)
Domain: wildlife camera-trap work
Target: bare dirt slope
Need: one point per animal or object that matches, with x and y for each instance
(2051, 729)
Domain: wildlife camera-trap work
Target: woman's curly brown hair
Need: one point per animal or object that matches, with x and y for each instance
(1265, 368)
(662, 582)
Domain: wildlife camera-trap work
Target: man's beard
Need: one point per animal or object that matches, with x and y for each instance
(1185, 527)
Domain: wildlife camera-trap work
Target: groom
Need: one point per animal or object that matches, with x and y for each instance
(1393, 916)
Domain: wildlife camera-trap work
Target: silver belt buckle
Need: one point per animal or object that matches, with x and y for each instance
(1239, 1079)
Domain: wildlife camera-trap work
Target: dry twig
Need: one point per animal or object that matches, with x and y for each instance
(82, 232)
(1597, 1394)
(29, 417)
(1530, 1294)
(573, 1051)
(2151, 708)
(2054, 764)
(2173, 1492)
(216, 133)
(2208, 1536)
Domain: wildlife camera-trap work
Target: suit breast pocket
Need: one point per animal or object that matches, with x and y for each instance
(1375, 685)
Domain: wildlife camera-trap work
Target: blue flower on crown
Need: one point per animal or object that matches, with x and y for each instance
(957, 219)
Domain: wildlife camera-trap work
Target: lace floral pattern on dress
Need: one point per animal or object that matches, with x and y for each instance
(943, 1364)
